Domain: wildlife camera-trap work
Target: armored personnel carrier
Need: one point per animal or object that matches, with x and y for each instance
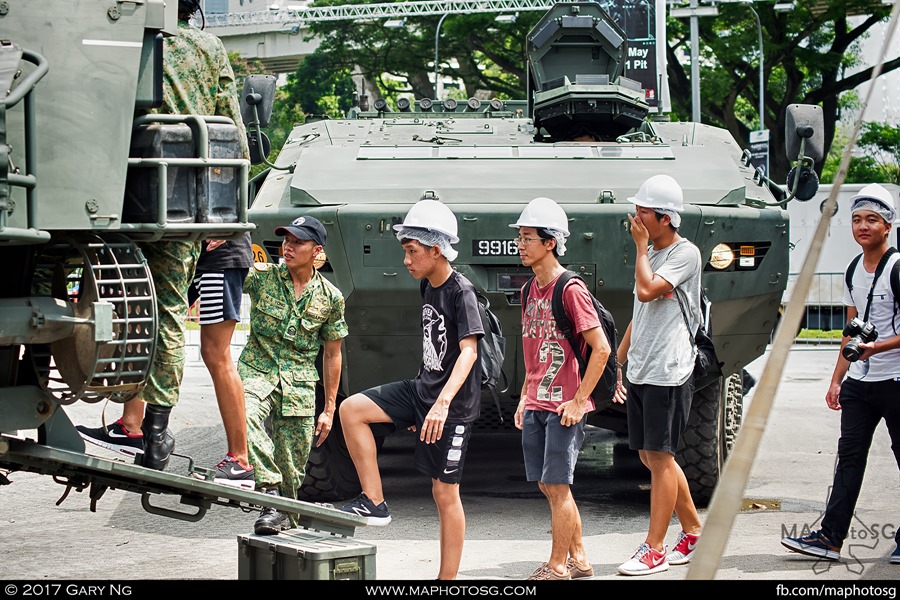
(487, 160)
(86, 177)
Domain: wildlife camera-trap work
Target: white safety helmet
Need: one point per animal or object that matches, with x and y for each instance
(431, 215)
(545, 213)
(876, 198)
(660, 192)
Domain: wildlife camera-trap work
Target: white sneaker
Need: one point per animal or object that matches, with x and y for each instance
(645, 561)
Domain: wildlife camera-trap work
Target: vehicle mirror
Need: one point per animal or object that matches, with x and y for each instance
(259, 93)
(259, 147)
(804, 122)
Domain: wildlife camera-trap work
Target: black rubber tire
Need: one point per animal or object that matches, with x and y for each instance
(716, 413)
(330, 474)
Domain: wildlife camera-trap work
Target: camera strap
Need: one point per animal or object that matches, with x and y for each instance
(878, 271)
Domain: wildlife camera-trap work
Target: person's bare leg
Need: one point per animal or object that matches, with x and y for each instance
(215, 349)
(452, 525)
(663, 494)
(357, 413)
(133, 415)
(565, 520)
(684, 505)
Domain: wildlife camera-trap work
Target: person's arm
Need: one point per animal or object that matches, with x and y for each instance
(331, 375)
(433, 426)
(520, 408)
(832, 396)
(572, 411)
(648, 284)
(622, 355)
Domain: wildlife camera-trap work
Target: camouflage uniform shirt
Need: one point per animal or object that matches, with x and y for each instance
(199, 79)
(285, 335)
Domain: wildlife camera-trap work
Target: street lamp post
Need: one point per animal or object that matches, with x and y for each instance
(437, 40)
(762, 91)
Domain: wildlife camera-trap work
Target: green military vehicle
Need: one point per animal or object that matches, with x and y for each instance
(487, 160)
(86, 179)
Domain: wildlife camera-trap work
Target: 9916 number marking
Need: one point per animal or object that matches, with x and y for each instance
(494, 248)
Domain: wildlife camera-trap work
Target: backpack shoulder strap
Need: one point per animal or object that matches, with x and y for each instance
(562, 319)
(526, 291)
(851, 269)
(422, 285)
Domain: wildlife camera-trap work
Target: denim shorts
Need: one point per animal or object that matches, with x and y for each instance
(550, 448)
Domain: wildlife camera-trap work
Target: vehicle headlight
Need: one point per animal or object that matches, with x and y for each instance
(722, 257)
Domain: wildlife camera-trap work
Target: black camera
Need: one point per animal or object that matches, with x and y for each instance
(859, 332)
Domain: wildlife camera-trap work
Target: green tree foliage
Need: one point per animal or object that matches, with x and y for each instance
(808, 56)
(488, 57)
(880, 160)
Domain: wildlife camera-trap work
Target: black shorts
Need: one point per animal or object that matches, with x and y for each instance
(442, 460)
(658, 415)
(220, 294)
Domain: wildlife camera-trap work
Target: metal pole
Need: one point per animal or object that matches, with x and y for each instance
(762, 91)
(695, 65)
(437, 40)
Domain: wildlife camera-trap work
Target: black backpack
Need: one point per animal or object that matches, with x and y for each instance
(606, 387)
(491, 351)
(894, 279)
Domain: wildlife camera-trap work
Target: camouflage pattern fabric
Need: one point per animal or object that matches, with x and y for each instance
(172, 265)
(278, 363)
(198, 78)
(279, 460)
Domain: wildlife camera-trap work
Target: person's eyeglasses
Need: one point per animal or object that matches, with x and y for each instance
(524, 241)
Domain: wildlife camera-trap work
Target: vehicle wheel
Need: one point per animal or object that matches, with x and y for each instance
(330, 474)
(716, 413)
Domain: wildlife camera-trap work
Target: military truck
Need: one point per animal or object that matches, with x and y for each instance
(487, 160)
(88, 176)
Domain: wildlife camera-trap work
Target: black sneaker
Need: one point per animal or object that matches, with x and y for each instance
(270, 520)
(114, 437)
(895, 556)
(814, 544)
(379, 516)
(230, 472)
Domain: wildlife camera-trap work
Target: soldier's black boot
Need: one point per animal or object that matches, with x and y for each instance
(270, 520)
(158, 440)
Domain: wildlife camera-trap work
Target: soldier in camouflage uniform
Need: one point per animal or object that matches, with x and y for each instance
(294, 311)
(197, 79)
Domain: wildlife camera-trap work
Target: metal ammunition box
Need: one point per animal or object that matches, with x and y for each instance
(301, 554)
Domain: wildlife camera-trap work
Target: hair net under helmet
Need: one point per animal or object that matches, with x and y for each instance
(428, 238)
(544, 213)
(432, 215)
(877, 199)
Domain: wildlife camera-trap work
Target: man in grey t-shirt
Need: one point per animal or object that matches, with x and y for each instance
(657, 347)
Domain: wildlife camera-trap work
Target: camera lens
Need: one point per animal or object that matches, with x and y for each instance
(851, 351)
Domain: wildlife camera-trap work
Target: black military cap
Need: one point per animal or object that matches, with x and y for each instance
(304, 228)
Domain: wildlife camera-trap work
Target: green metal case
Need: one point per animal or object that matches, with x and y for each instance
(302, 554)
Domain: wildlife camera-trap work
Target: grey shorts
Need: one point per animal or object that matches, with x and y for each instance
(658, 415)
(220, 294)
(443, 460)
(550, 448)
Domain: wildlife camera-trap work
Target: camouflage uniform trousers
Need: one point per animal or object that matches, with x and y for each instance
(279, 460)
(172, 265)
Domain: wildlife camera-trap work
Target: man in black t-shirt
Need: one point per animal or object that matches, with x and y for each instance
(444, 398)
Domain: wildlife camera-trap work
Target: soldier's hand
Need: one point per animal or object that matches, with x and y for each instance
(323, 428)
(213, 244)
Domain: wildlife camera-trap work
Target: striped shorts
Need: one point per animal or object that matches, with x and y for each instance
(220, 294)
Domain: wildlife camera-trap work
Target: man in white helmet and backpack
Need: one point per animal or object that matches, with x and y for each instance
(555, 398)
(865, 384)
(659, 351)
(443, 400)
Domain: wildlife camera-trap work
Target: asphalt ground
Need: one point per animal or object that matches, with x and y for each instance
(507, 517)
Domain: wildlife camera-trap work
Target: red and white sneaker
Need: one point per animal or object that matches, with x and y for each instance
(685, 545)
(645, 561)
